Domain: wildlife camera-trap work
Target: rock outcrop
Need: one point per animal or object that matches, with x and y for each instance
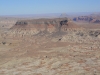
(35, 26)
(41, 24)
(83, 18)
(86, 19)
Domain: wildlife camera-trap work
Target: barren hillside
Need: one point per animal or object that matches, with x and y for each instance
(93, 18)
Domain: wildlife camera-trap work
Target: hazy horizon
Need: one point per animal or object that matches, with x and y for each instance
(26, 7)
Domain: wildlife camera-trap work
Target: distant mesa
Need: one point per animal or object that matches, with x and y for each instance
(83, 18)
(63, 15)
(90, 19)
(48, 25)
(43, 26)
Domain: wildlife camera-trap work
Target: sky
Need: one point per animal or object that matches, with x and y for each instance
(17, 7)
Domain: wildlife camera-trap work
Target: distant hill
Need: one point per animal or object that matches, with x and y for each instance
(93, 18)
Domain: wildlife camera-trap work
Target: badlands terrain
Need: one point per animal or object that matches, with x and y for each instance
(50, 46)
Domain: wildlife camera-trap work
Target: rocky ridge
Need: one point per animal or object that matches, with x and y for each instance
(89, 19)
(36, 26)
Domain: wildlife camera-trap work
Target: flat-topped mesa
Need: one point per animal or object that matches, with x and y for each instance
(42, 21)
(41, 24)
(35, 26)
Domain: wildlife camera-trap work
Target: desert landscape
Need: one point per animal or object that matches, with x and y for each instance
(50, 46)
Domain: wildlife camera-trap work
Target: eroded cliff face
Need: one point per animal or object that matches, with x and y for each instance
(29, 28)
(41, 24)
(87, 19)
(35, 26)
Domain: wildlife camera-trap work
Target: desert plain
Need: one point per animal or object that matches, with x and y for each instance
(50, 46)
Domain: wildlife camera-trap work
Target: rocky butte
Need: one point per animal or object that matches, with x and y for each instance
(35, 26)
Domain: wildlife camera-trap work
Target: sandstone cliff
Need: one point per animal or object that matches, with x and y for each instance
(90, 19)
(35, 26)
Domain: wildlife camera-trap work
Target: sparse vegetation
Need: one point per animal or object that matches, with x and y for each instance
(39, 47)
